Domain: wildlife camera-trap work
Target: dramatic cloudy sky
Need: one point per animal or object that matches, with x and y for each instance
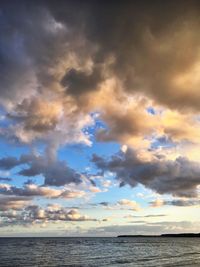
(99, 117)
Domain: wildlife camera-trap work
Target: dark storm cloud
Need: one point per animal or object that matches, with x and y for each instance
(31, 42)
(36, 37)
(153, 46)
(78, 82)
(179, 177)
(153, 43)
(134, 33)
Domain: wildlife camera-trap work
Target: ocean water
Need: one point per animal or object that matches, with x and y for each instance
(88, 252)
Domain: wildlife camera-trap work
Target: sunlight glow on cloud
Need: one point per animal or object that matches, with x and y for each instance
(79, 84)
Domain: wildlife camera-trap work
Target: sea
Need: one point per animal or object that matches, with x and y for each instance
(99, 252)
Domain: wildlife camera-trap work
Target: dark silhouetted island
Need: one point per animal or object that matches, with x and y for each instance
(165, 235)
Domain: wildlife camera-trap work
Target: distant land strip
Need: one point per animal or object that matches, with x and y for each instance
(165, 235)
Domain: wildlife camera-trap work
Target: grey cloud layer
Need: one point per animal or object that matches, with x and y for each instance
(176, 202)
(55, 172)
(32, 190)
(179, 178)
(13, 202)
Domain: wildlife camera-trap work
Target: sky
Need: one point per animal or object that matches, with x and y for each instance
(99, 117)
